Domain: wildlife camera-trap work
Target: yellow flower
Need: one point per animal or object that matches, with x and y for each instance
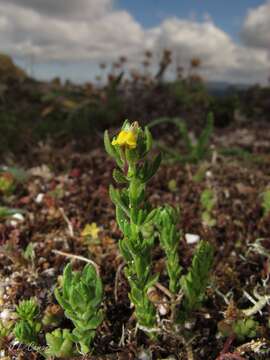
(91, 230)
(126, 138)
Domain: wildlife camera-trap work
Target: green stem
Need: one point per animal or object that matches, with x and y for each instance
(141, 271)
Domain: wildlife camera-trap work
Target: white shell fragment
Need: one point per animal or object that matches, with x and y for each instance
(18, 216)
(5, 315)
(15, 219)
(192, 238)
(39, 198)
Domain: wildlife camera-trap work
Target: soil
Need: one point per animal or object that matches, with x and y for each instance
(71, 190)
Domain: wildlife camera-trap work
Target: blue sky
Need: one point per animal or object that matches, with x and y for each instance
(228, 15)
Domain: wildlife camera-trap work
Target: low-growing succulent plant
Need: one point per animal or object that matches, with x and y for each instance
(245, 328)
(60, 344)
(237, 324)
(80, 297)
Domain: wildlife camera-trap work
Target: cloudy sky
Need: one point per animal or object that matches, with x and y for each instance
(70, 38)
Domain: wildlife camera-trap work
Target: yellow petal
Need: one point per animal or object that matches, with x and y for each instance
(126, 138)
(90, 230)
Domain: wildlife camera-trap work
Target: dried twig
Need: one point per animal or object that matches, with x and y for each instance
(164, 290)
(78, 257)
(117, 277)
(70, 226)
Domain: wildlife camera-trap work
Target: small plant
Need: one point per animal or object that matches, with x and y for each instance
(166, 221)
(29, 253)
(9, 178)
(60, 344)
(195, 282)
(27, 328)
(237, 324)
(25, 333)
(7, 185)
(5, 330)
(194, 150)
(80, 297)
(90, 234)
(27, 309)
(208, 202)
(245, 328)
(266, 202)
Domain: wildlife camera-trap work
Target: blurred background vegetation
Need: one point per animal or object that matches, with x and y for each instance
(32, 111)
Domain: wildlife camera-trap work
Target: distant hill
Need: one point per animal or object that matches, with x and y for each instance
(221, 88)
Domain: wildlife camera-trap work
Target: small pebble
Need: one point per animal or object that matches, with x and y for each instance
(192, 238)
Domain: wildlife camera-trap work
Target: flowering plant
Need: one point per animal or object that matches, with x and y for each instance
(134, 214)
(138, 222)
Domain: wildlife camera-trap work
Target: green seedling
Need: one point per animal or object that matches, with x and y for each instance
(29, 253)
(26, 330)
(194, 150)
(172, 185)
(5, 331)
(27, 309)
(266, 202)
(7, 185)
(208, 202)
(238, 323)
(166, 220)
(60, 344)
(200, 174)
(26, 333)
(9, 178)
(245, 329)
(80, 297)
(195, 282)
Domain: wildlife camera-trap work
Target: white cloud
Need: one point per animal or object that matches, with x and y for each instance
(188, 39)
(28, 32)
(221, 57)
(70, 31)
(74, 9)
(256, 27)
